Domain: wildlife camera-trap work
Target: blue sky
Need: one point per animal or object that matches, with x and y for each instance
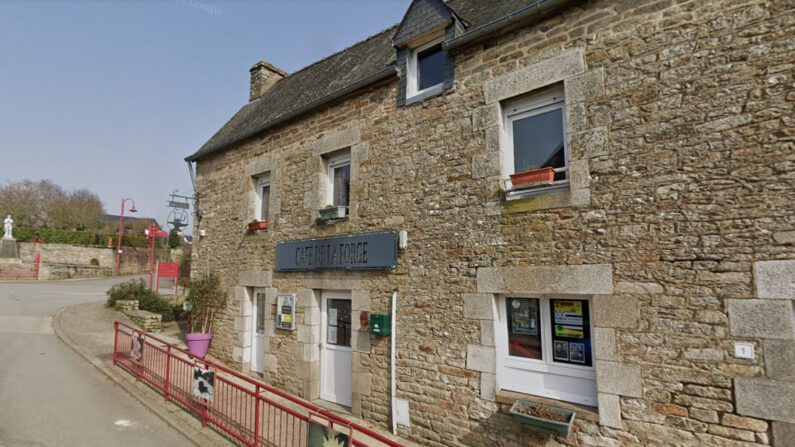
(112, 95)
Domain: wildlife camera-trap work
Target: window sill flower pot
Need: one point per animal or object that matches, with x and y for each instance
(258, 225)
(198, 344)
(541, 418)
(332, 212)
(533, 177)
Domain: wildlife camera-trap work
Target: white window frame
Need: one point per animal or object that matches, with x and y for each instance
(530, 376)
(334, 162)
(536, 104)
(412, 67)
(263, 181)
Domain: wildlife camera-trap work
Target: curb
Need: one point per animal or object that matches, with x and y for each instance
(129, 386)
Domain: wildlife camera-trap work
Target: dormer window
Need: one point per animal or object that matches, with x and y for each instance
(427, 67)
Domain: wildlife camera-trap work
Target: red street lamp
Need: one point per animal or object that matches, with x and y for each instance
(121, 229)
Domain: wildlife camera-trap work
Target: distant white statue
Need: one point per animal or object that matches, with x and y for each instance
(7, 225)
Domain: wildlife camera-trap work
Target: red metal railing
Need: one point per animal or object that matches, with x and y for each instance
(22, 271)
(247, 410)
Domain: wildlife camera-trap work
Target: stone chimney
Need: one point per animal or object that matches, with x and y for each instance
(263, 76)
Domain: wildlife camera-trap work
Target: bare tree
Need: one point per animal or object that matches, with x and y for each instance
(30, 202)
(79, 210)
(44, 204)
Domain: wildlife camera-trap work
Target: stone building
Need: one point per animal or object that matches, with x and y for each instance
(648, 284)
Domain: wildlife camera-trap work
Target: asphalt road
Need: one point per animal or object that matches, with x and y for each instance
(49, 395)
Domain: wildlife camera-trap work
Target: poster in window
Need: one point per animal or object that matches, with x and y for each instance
(285, 311)
(561, 351)
(323, 436)
(577, 352)
(571, 325)
(524, 313)
(137, 348)
(568, 319)
(203, 385)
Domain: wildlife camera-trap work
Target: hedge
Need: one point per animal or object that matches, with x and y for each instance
(53, 236)
(136, 289)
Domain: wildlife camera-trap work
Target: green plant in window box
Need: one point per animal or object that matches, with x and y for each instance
(257, 225)
(532, 176)
(330, 212)
(543, 418)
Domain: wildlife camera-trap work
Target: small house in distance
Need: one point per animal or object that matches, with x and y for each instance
(584, 205)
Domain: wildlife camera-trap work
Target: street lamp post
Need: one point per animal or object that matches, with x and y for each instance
(121, 229)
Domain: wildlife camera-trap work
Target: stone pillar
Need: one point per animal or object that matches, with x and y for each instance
(8, 248)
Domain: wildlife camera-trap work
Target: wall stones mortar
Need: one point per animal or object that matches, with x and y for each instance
(688, 160)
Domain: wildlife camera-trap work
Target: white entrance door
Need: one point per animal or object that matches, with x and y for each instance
(258, 331)
(335, 348)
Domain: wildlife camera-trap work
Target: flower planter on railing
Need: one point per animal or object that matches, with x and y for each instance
(543, 418)
(333, 212)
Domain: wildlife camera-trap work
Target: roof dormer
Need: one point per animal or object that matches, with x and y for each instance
(426, 69)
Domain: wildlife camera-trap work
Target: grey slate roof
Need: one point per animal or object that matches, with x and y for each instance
(114, 218)
(476, 13)
(305, 86)
(309, 86)
(421, 16)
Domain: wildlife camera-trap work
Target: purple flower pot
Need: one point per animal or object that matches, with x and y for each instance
(198, 344)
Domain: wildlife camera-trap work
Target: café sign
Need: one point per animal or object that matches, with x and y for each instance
(365, 251)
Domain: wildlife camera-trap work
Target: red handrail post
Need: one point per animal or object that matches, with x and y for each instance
(139, 364)
(115, 341)
(256, 416)
(168, 371)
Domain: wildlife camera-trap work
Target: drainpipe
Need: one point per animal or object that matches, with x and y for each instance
(192, 176)
(392, 364)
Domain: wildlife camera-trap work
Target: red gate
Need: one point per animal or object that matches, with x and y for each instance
(250, 411)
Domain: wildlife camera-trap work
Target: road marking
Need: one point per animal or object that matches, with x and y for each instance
(123, 423)
(13, 324)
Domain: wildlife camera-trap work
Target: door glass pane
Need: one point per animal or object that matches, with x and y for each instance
(265, 198)
(260, 316)
(524, 336)
(342, 183)
(430, 66)
(338, 322)
(571, 332)
(538, 142)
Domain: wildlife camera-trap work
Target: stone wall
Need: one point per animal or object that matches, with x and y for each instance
(67, 254)
(677, 226)
(62, 261)
(148, 321)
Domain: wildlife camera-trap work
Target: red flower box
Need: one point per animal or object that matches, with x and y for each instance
(534, 176)
(258, 225)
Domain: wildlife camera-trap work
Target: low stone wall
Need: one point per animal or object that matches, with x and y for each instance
(148, 321)
(68, 254)
(62, 261)
(71, 271)
(15, 270)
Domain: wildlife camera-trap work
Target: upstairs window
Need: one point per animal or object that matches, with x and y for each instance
(339, 175)
(263, 197)
(535, 135)
(430, 67)
(426, 70)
